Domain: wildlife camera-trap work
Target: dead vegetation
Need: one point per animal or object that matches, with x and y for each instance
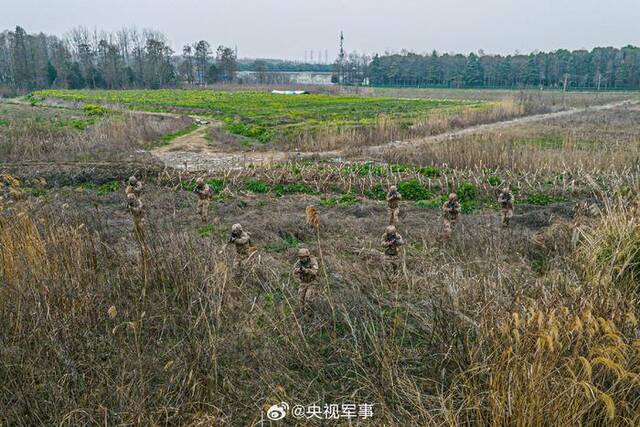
(539, 99)
(536, 324)
(386, 130)
(49, 137)
(596, 142)
(470, 333)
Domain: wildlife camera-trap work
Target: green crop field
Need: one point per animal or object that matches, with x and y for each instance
(265, 116)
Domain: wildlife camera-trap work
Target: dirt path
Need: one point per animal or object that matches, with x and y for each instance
(194, 152)
(194, 142)
(198, 151)
(493, 126)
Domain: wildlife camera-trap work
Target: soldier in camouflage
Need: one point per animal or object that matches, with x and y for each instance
(306, 269)
(391, 242)
(451, 209)
(204, 193)
(242, 240)
(134, 187)
(506, 201)
(393, 202)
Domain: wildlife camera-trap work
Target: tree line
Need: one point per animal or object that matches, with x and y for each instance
(600, 68)
(128, 58)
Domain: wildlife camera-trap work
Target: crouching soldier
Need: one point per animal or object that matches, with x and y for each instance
(133, 187)
(306, 269)
(242, 240)
(393, 202)
(506, 201)
(204, 193)
(451, 209)
(391, 242)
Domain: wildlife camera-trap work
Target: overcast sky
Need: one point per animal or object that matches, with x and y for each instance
(288, 28)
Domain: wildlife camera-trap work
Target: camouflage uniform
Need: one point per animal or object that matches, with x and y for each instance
(451, 210)
(393, 201)
(506, 201)
(204, 193)
(306, 268)
(242, 240)
(391, 241)
(134, 187)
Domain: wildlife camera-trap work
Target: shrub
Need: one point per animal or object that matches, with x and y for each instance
(216, 185)
(95, 110)
(348, 199)
(468, 206)
(108, 187)
(430, 171)
(205, 230)
(467, 192)
(287, 242)
(399, 168)
(414, 190)
(80, 124)
(494, 181)
(433, 203)
(211, 230)
(363, 169)
(37, 192)
(188, 185)
(376, 192)
(251, 131)
(257, 187)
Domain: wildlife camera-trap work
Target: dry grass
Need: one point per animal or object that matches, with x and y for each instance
(386, 129)
(520, 326)
(24, 138)
(536, 99)
(569, 356)
(503, 152)
(596, 142)
(611, 253)
(470, 333)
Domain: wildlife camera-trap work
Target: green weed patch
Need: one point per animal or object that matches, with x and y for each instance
(348, 199)
(286, 243)
(414, 190)
(264, 116)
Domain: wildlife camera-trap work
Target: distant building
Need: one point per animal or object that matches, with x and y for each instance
(285, 77)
